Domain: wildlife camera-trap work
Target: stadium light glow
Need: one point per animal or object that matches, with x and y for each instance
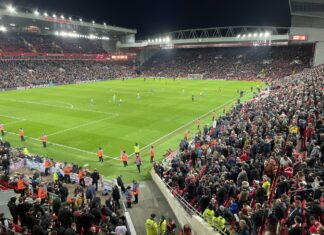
(70, 18)
(255, 35)
(80, 20)
(45, 14)
(11, 9)
(62, 16)
(93, 22)
(36, 13)
(3, 29)
(267, 34)
(168, 39)
(104, 24)
(238, 36)
(261, 35)
(249, 35)
(54, 15)
(243, 36)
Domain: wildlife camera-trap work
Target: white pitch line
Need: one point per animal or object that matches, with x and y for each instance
(64, 146)
(183, 126)
(56, 106)
(82, 125)
(12, 117)
(14, 122)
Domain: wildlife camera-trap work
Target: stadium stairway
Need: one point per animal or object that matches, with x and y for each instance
(150, 201)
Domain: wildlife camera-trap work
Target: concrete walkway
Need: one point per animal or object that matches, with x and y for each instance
(150, 201)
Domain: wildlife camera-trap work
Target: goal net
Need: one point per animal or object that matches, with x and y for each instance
(197, 76)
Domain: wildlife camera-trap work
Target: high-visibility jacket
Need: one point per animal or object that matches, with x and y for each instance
(219, 223)
(44, 139)
(47, 164)
(151, 227)
(208, 215)
(55, 176)
(67, 170)
(163, 227)
(21, 133)
(136, 149)
(124, 157)
(42, 193)
(100, 153)
(152, 153)
(81, 174)
(1, 127)
(135, 189)
(21, 184)
(25, 151)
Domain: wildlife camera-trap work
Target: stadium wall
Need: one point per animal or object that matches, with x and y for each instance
(197, 224)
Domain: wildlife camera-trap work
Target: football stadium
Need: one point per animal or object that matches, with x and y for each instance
(164, 124)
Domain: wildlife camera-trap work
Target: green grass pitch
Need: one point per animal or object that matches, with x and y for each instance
(82, 117)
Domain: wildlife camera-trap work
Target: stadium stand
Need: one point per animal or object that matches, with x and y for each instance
(29, 42)
(242, 63)
(24, 73)
(258, 169)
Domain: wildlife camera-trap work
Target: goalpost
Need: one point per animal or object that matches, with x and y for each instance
(195, 76)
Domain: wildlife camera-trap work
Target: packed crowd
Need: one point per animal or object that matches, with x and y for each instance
(31, 42)
(259, 168)
(230, 63)
(23, 73)
(49, 204)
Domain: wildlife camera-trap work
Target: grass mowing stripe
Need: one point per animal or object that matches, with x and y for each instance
(55, 106)
(83, 125)
(185, 125)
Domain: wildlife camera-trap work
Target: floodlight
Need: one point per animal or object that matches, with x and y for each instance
(160, 39)
(62, 16)
(80, 20)
(255, 35)
(36, 13)
(56, 33)
(104, 24)
(243, 36)
(249, 35)
(3, 29)
(267, 34)
(238, 36)
(70, 18)
(261, 35)
(45, 14)
(93, 22)
(168, 39)
(11, 9)
(54, 15)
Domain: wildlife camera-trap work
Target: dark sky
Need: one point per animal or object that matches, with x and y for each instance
(157, 16)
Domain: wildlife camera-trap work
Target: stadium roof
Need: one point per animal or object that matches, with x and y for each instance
(312, 8)
(19, 20)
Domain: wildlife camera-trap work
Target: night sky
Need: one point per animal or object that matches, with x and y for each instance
(157, 16)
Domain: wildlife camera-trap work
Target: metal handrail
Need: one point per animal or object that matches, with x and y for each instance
(187, 205)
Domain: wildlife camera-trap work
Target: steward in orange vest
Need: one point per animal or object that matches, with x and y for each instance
(135, 191)
(124, 158)
(21, 186)
(152, 154)
(2, 129)
(67, 172)
(81, 175)
(100, 154)
(22, 134)
(44, 140)
(41, 192)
